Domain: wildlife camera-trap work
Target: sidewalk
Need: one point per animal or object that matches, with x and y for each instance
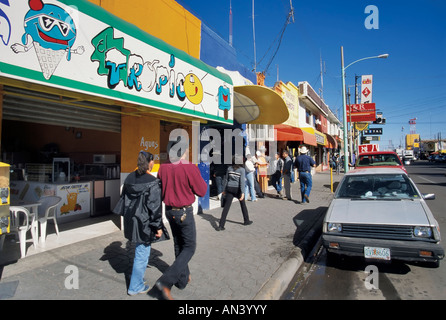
(240, 263)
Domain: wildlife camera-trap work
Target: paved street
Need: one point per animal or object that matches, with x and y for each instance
(344, 278)
(242, 262)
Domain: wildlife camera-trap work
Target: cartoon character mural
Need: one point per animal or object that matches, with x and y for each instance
(52, 32)
(224, 100)
(5, 25)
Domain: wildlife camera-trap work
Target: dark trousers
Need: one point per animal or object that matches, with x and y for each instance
(185, 242)
(229, 197)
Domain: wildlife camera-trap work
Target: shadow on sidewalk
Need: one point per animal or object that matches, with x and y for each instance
(309, 228)
(121, 259)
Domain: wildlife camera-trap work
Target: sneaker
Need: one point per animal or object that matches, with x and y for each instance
(247, 223)
(220, 229)
(307, 198)
(145, 290)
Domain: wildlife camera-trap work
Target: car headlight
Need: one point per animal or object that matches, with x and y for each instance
(334, 227)
(422, 232)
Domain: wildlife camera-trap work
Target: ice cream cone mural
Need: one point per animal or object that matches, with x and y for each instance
(52, 33)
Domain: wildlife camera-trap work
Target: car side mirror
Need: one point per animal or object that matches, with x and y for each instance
(428, 196)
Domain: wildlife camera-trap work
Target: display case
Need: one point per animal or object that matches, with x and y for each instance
(4, 201)
(39, 172)
(102, 171)
(61, 170)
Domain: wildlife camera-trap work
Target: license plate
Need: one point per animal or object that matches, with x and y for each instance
(377, 253)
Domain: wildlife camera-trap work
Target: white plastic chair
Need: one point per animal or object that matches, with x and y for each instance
(22, 221)
(46, 211)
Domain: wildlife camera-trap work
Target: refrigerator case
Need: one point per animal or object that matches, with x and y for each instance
(5, 198)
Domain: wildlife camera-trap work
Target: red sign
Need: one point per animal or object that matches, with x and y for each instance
(361, 112)
(363, 148)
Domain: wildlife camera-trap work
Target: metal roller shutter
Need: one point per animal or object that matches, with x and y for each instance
(38, 107)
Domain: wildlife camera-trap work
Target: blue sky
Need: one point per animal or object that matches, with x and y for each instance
(411, 83)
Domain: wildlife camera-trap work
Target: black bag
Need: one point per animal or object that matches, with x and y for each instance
(222, 200)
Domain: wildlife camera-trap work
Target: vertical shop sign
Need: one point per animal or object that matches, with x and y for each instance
(366, 88)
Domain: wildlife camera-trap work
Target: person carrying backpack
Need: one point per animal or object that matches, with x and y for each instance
(234, 186)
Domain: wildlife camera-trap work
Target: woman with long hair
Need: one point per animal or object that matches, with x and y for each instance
(140, 204)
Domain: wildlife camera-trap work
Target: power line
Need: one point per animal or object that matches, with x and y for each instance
(279, 37)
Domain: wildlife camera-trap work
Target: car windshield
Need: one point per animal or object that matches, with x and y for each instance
(379, 160)
(380, 186)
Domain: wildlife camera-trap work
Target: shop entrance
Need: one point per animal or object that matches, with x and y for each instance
(57, 148)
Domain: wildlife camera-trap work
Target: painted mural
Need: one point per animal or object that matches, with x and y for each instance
(58, 43)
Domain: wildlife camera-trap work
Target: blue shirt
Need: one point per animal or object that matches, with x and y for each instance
(304, 163)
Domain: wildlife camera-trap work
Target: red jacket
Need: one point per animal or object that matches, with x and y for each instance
(180, 182)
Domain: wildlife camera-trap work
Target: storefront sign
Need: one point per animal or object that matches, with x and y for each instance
(363, 148)
(361, 112)
(290, 94)
(373, 131)
(78, 46)
(320, 139)
(366, 88)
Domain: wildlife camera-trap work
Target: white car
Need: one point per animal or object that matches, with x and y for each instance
(380, 214)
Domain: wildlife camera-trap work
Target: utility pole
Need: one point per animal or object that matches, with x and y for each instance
(254, 37)
(230, 23)
(321, 90)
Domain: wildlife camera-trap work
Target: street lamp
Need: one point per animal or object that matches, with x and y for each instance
(344, 104)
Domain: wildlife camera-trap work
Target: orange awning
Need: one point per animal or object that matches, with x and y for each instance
(287, 133)
(332, 143)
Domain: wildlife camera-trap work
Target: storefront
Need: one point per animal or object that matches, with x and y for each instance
(319, 151)
(82, 93)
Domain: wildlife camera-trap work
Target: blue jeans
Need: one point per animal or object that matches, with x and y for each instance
(305, 184)
(249, 187)
(142, 254)
(276, 180)
(182, 224)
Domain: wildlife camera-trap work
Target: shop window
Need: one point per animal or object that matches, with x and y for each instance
(308, 117)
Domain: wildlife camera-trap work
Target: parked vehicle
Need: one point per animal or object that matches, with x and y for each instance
(384, 159)
(380, 214)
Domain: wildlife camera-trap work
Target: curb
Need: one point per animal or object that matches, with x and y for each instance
(275, 287)
(279, 281)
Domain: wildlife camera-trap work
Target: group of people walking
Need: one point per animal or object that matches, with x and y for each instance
(177, 184)
(142, 195)
(239, 181)
(284, 170)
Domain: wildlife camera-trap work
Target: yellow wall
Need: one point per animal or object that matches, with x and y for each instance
(410, 141)
(290, 93)
(139, 133)
(164, 19)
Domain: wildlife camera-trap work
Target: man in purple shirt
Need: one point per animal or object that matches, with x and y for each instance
(180, 182)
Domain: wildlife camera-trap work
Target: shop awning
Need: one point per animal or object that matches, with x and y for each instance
(332, 143)
(320, 138)
(254, 104)
(287, 133)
